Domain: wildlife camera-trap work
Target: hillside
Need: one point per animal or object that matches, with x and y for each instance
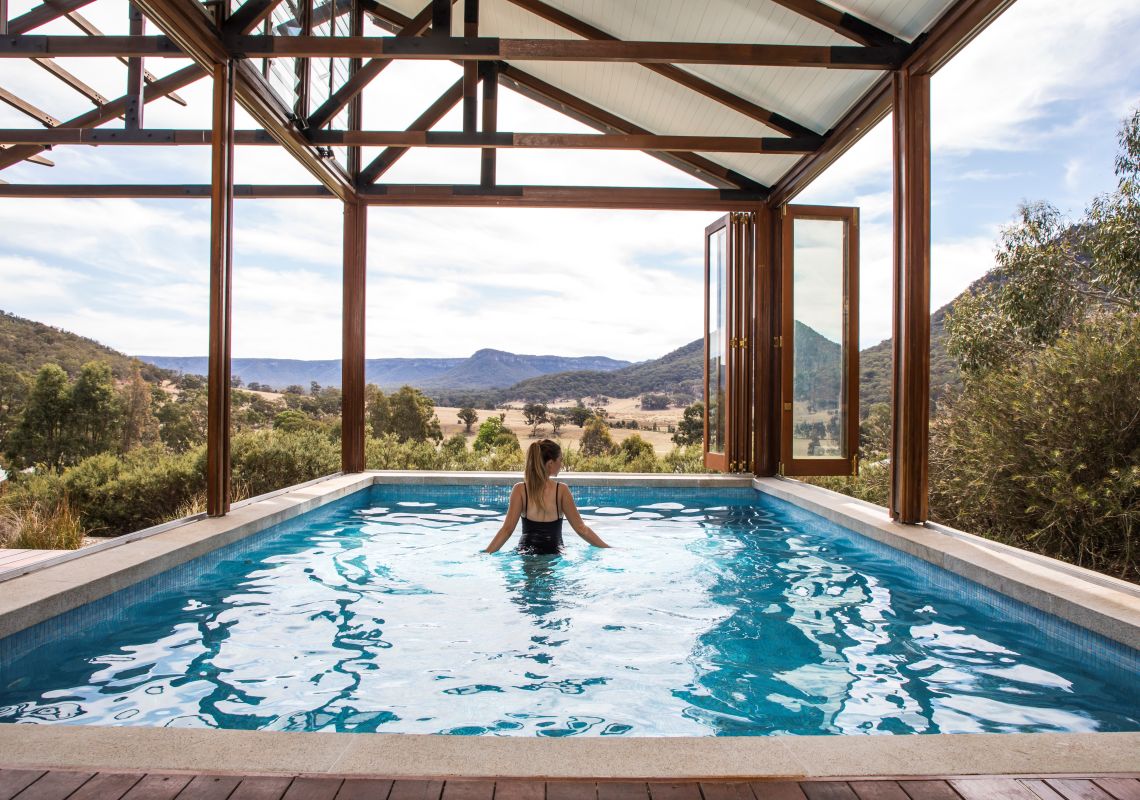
(485, 369)
(680, 370)
(25, 346)
(875, 366)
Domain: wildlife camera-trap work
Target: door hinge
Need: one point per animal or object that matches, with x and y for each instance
(781, 470)
(855, 466)
(744, 341)
(784, 210)
(787, 406)
(777, 341)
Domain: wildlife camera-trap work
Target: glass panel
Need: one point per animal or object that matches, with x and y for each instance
(819, 417)
(718, 325)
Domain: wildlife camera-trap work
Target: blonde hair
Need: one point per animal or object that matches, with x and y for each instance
(534, 476)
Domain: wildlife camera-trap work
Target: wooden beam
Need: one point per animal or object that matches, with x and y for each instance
(953, 30)
(164, 191)
(910, 394)
(43, 14)
(493, 49)
(98, 116)
(383, 162)
(364, 75)
(43, 162)
(23, 106)
(687, 79)
(30, 44)
(561, 197)
(249, 15)
(134, 114)
(71, 80)
(842, 22)
(441, 18)
(766, 356)
(3, 17)
(132, 138)
(352, 430)
(488, 156)
(356, 104)
(88, 27)
(221, 300)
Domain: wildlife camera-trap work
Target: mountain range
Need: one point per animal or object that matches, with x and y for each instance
(484, 369)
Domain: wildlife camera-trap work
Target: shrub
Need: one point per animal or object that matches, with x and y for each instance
(493, 434)
(264, 461)
(596, 439)
(41, 525)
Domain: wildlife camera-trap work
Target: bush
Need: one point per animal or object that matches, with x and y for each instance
(1045, 454)
(493, 434)
(41, 525)
(596, 439)
(264, 461)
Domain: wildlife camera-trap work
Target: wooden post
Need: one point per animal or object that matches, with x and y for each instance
(470, 69)
(3, 17)
(490, 119)
(910, 397)
(766, 356)
(441, 18)
(352, 338)
(133, 118)
(221, 269)
(356, 105)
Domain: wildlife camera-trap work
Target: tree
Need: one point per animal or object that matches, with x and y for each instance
(40, 437)
(96, 417)
(534, 414)
(13, 395)
(292, 421)
(182, 422)
(654, 401)
(596, 439)
(580, 415)
(294, 388)
(691, 428)
(314, 388)
(413, 416)
(492, 435)
(140, 427)
(468, 417)
(633, 448)
(379, 413)
(557, 420)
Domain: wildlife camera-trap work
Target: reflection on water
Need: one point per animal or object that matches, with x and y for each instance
(709, 617)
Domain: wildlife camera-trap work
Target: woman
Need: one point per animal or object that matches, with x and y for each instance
(540, 501)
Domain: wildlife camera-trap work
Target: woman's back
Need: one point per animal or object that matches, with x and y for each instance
(542, 536)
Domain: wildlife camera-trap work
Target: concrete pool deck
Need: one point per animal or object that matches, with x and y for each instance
(1110, 608)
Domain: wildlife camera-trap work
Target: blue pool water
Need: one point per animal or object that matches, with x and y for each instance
(717, 613)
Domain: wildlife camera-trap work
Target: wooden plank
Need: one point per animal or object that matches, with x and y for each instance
(1076, 789)
(571, 790)
(56, 785)
(29, 44)
(520, 790)
(209, 787)
(468, 790)
(157, 787)
(1041, 789)
(736, 790)
(827, 790)
(133, 116)
(416, 790)
(622, 790)
(877, 790)
(43, 14)
(106, 786)
(992, 789)
(313, 788)
(28, 109)
(1120, 788)
(929, 790)
(843, 23)
(674, 791)
(163, 191)
(71, 80)
(778, 790)
(364, 789)
(470, 69)
(490, 77)
(261, 788)
(14, 781)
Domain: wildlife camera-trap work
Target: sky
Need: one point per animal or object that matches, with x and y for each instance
(1029, 111)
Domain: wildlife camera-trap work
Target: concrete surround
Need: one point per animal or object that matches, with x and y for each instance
(1108, 607)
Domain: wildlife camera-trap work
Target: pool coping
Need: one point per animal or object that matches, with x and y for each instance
(1096, 604)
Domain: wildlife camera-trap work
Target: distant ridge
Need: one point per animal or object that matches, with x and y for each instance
(484, 369)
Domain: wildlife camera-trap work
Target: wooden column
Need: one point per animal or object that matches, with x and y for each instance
(133, 118)
(470, 69)
(490, 119)
(352, 338)
(221, 305)
(910, 396)
(3, 17)
(766, 356)
(356, 105)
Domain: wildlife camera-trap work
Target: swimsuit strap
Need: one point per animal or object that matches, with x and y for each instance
(525, 498)
(558, 499)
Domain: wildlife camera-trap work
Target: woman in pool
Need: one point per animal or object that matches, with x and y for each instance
(540, 501)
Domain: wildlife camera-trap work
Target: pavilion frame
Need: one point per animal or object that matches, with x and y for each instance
(220, 46)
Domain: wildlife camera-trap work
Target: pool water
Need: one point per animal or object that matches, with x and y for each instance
(716, 613)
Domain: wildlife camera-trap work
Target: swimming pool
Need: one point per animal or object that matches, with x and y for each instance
(719, 612)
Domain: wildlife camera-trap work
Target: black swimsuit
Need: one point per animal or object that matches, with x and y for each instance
(543, 538)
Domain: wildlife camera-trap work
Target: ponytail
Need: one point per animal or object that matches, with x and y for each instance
(535, 473)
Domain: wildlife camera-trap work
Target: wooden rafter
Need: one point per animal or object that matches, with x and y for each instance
(88, 27)
(106, 113)
(71, 80)
(163, 191)
(43, 14)
(844, 23)
(249, 15)
(24, 107)
(362, 77)
(434, 113)
(687, 79)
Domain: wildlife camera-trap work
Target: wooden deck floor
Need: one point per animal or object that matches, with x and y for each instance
(18, 784)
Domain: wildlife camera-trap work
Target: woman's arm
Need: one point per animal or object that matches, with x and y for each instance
(514, 511)
(575, 519)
